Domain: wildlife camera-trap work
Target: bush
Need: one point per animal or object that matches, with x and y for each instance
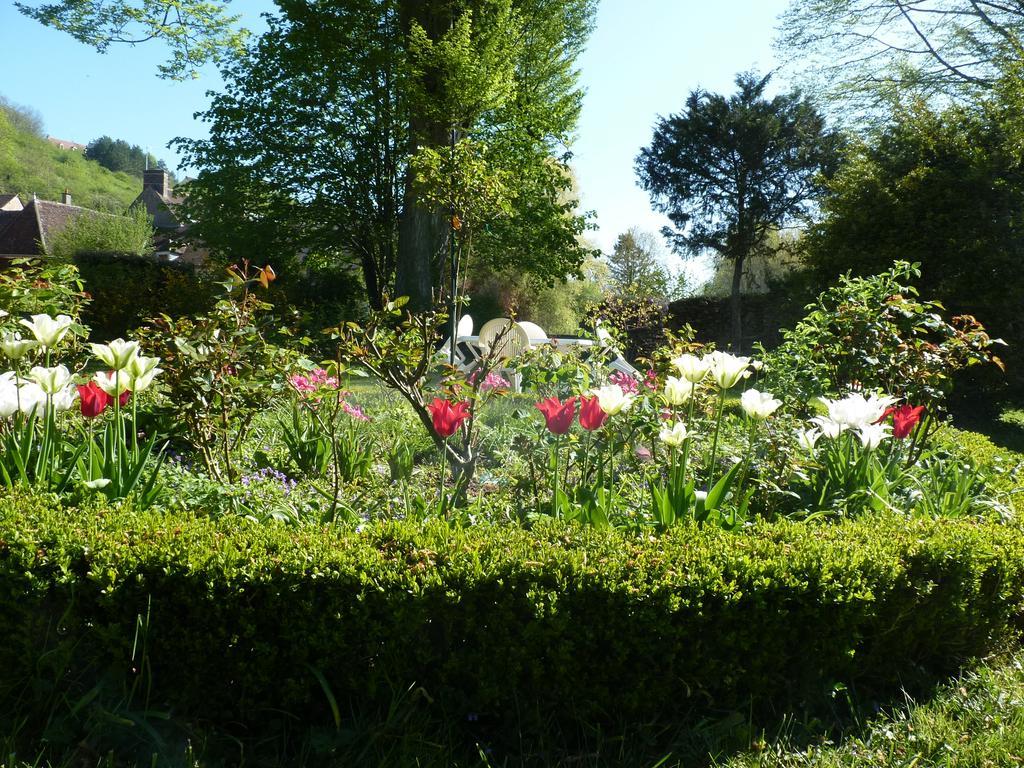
(231, 621)
(92, 232)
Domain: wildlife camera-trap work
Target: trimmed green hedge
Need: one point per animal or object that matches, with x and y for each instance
(559, 621)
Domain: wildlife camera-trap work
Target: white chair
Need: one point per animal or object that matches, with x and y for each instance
(503, 340)
(615, 357)
(464, 328)
(533, 331)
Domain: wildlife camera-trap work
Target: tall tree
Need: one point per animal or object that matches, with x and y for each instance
(727, 170)
(336, 132)
(196, 31)
(867, 54)
(636, 266)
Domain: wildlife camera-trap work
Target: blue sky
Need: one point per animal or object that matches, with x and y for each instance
(644, 58)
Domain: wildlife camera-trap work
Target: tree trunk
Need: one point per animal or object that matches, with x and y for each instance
(735, 309)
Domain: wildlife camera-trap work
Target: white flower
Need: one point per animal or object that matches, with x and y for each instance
(65, 398)
(855, 410)
(144, 381)
(48, 330)
(97, 485)
(112, 383)
(673, 435)
(51, 380)
(612, 399)
(759, 405)
(807, 438)
(117, 354)
(728, 369)
(829, 428)
(31, 397)
(15, 347)
(871, 435)
(8, 395)
(678, 391)
(141, 372)
(692, 368)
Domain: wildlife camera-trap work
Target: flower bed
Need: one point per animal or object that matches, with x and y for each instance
(229, 620)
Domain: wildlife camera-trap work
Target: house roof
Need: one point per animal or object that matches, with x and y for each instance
(10, 203)
(23, 232)
(160, 207)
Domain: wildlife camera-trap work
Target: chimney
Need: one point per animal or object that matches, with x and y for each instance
(157, 178)
(66, 197)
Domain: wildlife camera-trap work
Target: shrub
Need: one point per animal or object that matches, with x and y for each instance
(243, 621)
(92, 232)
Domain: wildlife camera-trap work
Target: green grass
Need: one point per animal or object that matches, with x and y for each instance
(31, 165)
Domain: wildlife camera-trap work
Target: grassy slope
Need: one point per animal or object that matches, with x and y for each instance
(29, 164)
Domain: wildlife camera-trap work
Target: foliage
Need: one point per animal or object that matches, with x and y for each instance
(789, 615)
(953, 179)
(196, 31)
(29, 165)
(33, 286)
(337, 175)
(103, 233)
(21, 118)
(866, 54)
(875, 333)
(221, 370)
(728, 170)
(637, 267)
(119, 155)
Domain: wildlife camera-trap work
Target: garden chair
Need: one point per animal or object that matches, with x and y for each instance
(615, 358)
(463, 359)
(533, 331)
(504, 340)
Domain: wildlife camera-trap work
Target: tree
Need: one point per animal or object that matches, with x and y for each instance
(636, 266)
(120, 156)
(728, 170)
(91, 232)
(336, 134)
(196, 31)
(943, 188)
(870, 53)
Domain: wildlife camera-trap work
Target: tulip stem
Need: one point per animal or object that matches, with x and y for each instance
(554, 479)
(440, 482)
(714, 444)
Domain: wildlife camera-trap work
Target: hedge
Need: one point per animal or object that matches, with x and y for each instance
(246, 620)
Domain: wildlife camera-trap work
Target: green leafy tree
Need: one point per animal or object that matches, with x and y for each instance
(360, 161)
(636, 266)
(942, 188)
(728, 170)
(118, 155)
(196, 31)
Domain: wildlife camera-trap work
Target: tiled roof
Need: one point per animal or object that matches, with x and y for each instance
(41, 220)
(160, 207)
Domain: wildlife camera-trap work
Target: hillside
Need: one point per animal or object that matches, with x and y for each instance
(29, 164)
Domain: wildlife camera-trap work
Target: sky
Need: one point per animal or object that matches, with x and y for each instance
(643, 59)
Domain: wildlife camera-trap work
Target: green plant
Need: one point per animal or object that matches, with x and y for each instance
(873, 332)
(221, 370)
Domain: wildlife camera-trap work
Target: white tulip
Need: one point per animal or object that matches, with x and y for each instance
(674, 435)
(65, 398)
(728, 369)
(691, 367)
(871, 435)
(112, 383)
(8, 395)
(51, 380)
(829, 428)
(758, 405)
(48, 330)
(612, 399)
(855, 411)
(140, 366)
(807, 439)
(678, 391)
(31, 397)
(117, 354)
(15, 347)
(143, 381)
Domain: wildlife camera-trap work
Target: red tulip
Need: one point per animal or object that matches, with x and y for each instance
(591, 415)
(904, 419)
(557, 414)
(92, 400)
(447, 417)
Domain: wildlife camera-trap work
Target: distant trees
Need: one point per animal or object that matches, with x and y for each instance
(119, 156)
(22, 118)
(636, 266)
(728, 170)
